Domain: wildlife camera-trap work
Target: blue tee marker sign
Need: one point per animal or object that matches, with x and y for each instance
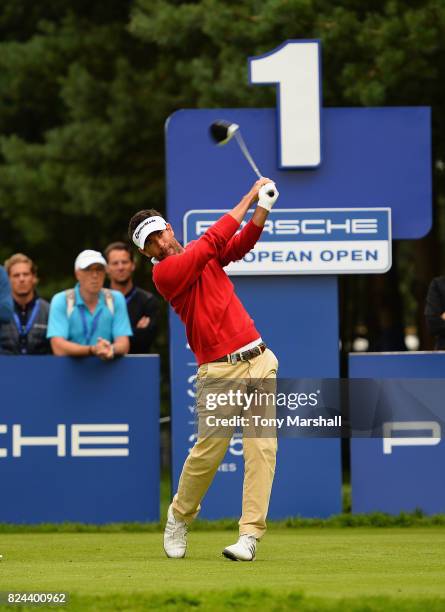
(350, 180)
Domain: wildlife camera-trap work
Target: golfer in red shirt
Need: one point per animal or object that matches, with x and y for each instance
(227, 346)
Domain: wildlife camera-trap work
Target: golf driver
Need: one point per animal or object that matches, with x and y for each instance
(221, 132)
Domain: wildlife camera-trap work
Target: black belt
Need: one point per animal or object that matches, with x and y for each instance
(233, 358)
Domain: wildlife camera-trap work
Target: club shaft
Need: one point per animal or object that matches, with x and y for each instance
(245, 152)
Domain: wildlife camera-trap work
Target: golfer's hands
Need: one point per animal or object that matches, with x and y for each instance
(267, 196)
(239, 211)
(254, 192)
(264, 187)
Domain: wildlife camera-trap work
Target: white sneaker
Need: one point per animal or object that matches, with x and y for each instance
(243, 550)
(175, 536)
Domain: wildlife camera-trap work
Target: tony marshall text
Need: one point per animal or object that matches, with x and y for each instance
(257, 421)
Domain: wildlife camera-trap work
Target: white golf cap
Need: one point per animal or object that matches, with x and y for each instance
(146, 227)
(87, 258)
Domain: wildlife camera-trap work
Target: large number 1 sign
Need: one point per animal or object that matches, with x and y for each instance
(295, 68)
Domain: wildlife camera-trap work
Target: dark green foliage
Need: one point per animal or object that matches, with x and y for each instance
(80, 146)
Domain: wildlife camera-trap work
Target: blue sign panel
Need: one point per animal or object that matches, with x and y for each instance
(402, 471)
(80, 440)
(298, 241)
(308, 472)
(372, 158)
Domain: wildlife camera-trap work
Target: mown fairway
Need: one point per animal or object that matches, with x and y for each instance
(393, 568)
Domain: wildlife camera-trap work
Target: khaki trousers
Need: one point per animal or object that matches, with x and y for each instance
(259, 450)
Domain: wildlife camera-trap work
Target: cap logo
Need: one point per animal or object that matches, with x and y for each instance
(144, 224)
(144, 229)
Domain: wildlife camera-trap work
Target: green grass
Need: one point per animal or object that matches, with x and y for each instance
(317, 569)
(375, 519)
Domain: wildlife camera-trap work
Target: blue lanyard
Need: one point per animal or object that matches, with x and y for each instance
(130, 296)
(25, 329)
(89, 334)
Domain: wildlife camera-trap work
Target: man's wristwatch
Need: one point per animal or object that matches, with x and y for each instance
(113, 351)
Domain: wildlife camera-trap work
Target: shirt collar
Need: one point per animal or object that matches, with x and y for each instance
(79, 299)
(132, 290)
(28, 306)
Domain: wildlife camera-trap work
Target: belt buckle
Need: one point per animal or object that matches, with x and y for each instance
(232, 358)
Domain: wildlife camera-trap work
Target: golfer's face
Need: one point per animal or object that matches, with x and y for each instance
(22, 279)
(160, 244)
(92, 278)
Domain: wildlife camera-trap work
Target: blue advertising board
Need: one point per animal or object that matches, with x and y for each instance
(402, 468)
(79, 439)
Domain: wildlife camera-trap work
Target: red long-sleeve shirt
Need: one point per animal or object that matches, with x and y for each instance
(202, 294)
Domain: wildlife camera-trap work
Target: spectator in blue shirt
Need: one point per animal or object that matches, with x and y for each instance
(89, 320)
(5, 297)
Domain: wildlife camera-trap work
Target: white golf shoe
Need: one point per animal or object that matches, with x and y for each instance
(243, 550)
(175, 536)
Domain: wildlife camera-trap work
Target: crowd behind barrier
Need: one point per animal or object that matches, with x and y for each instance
(87, 319)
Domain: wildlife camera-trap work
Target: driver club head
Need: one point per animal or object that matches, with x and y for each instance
(222, 131)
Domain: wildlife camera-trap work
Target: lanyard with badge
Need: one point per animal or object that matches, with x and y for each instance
(25, 329)
(89, 334)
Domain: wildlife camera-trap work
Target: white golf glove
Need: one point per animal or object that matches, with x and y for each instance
(267, 196)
